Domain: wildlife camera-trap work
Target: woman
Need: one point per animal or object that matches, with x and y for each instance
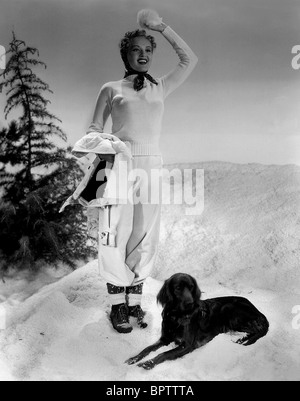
(136, 105)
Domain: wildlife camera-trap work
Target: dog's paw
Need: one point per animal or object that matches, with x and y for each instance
(132, 361)
(148, 365)
(243, 340)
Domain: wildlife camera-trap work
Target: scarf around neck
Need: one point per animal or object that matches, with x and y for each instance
(139, 80)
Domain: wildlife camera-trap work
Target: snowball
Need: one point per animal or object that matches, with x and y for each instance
(148, 17)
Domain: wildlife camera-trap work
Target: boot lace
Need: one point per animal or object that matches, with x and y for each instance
(122, 314)
(137, 312)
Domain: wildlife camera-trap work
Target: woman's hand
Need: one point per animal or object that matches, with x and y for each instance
(157, 27)
(150, 19)
(108, 158)
(79, 155)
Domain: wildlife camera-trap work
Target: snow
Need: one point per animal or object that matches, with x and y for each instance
(245, 243)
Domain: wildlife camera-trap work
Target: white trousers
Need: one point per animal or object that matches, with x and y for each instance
(137, 227)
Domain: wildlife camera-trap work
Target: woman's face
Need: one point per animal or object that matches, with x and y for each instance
(140, 54)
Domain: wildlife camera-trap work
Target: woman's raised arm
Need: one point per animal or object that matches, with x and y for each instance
(187, 58)
(187, 61)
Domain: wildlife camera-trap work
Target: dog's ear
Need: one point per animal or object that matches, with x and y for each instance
(197, 292)
(165, 296)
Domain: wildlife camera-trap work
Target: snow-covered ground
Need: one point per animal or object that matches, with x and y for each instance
(247, 242)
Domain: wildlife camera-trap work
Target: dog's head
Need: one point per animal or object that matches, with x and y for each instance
(180, 291)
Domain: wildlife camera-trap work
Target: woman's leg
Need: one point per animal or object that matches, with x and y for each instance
(143, 243)
(115, 223)
(142, 246)
(129, 258)
(119, 312)
(112, 253)
(134, 300)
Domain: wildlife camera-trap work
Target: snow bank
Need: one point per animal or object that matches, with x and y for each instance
(249, 231)
(246, 243)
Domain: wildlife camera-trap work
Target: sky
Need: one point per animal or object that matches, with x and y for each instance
(242, 102)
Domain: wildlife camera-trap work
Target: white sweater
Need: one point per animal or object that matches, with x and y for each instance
(137, 116)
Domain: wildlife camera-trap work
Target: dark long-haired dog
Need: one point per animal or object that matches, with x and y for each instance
(191, 323)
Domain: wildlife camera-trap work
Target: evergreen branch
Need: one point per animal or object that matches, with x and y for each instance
(9, 108)
(31, 229)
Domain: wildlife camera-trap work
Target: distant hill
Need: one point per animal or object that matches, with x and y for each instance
(249, 231)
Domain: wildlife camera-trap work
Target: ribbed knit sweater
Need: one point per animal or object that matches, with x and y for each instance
(137, 116)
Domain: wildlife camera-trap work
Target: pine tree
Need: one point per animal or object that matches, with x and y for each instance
(36, 176)
(36, 124)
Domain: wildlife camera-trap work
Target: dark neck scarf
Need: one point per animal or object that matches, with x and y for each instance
(139, 80)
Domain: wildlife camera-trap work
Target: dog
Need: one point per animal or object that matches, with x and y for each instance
(191, 323)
